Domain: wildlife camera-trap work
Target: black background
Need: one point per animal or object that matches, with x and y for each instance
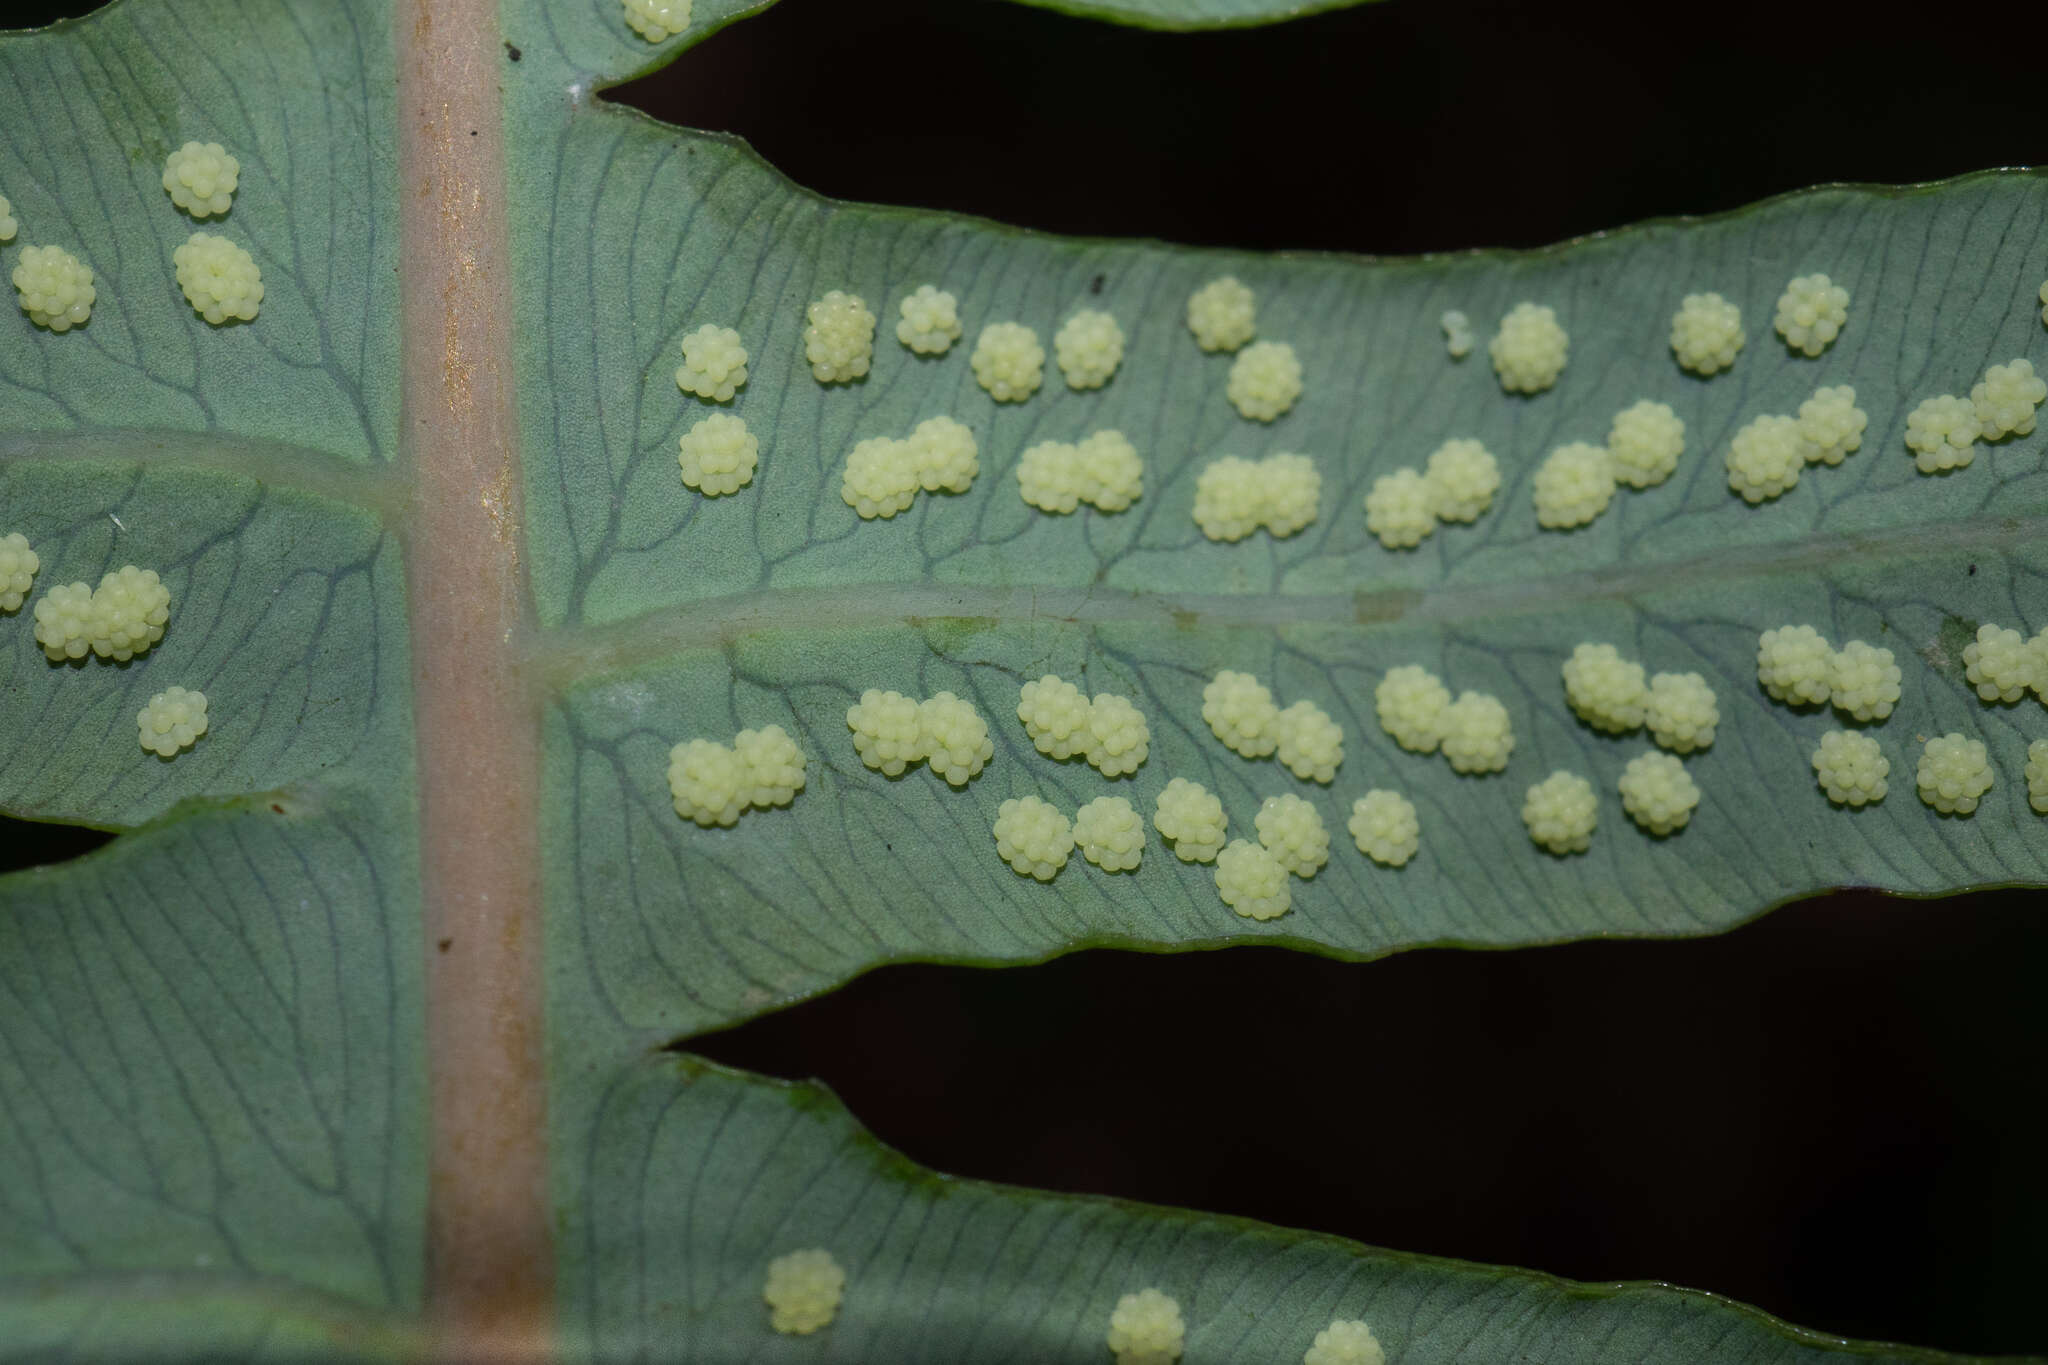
(1833, 1113)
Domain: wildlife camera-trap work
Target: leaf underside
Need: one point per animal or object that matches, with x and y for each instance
(210, 1033)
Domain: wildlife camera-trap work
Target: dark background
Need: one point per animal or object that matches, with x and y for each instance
(1834, 1113)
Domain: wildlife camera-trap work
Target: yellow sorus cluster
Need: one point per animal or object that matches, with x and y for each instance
(1644, 443)
(1658, 793)
(2037, 772)
(1104, 470)
(1398, 509)
(55, 287)
(1458, 338)
(2002, 664)
(1384, 826)
(1530, 349)
(712, 783)
(1107, 730)
(2044, 303)
(1089, 347)
(1811, 312)
(1223, 314)
(1706, 332)
(1831, 424)
(1681, 712)
(121, 618)
(804, 1287)
(930, 321)
(1794, 664)
(1561, 812)
(174, 719)
(839, 337)
(1241, 712)
(1252, 882)
(1863, 682)
(1308, 743)
(1477, 734)
(2005, 399)
(1411, 702)
(892, 731)
(8, 226)
(221, 280)
(1110, 834)
(1942, 433)
(1954, 773)
(1008, 361)
(1033, 837)
(1404, 507)
(1573, 485)
(201, 178)
(655, 20)
(1850, 768)
(718, 455)
(1146, 1329)
(1347, 1341)
(1604, 689)
(714, 363)
(1765, 458)
(1292, 831)
(1235, 497)
(883, 474)
(1190, 818)
(1265, 379)
(18, 565)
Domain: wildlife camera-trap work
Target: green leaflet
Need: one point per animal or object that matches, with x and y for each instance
(212, 1094)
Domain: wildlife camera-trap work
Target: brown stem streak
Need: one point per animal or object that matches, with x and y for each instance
(490, 1276)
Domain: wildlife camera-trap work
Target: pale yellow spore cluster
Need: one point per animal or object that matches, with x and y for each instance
(2005, 399)
(1604, 689)
(55, 287)
(1188, 816)
(880, 478)
(1384, 826)
(1033, 837)
(2001, 664)
(18, 566)
(656, 20)
(8, 225)
(1462, 476)
(2043, 296)
(1863, 681)
(930, 320)
(1309, 743)
(714, 363)
(1658, 793)
(944, 454)
(1561, 812)
(1411, 701)
(121, 618)
(1954, 773)
(1292, 830)
(1008, 361)
(1347, 1341)
(1478, 737)
(1110, 834)
(1573, 485)
(1530, 349)
(1089, 346)
(1765, 458)
(221, 280)
(1706, 333)
(839, 337)
(804, 1288)
(717, 455)
(1681, 712)
(1794, 664)
(714, 784)
(1942, 434)
(1252, 881)
(64, 621)
(1265, 379)
(1644, 443)
(1458, 337)
(201, 178)
(1399, 509)
(1107, 730)
(1104, 470)
(1235, 497)
(1146, 1329)
(2037, 772)
(1831, 424)
(174, 720)
(892, 731)
(1811, 312)
(1223, 314)
(1850, 768)
(1241, 712)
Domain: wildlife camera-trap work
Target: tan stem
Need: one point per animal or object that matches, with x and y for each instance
(490, 1268)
